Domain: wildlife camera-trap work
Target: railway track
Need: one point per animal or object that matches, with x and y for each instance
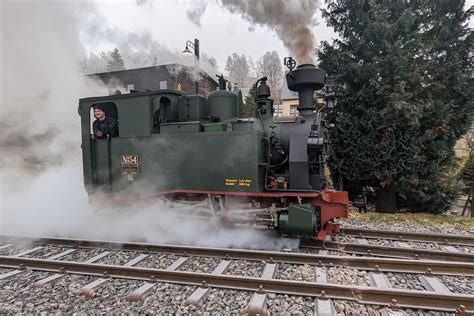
(403, 251)
(450, 267)
(378, 292)
(409, 236)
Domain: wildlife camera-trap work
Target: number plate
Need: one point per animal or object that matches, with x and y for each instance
(129, 164)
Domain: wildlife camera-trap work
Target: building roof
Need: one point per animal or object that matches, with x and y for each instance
(128, 95)
(151, 67)
(287, 94)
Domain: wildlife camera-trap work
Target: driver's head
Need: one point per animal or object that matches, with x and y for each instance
(99, 112)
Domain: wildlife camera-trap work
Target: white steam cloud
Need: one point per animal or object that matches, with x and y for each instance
(196, 11)
(40, 76)
(55, 204)
(41, 83)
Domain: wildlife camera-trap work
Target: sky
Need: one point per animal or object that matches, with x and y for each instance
(221, 33)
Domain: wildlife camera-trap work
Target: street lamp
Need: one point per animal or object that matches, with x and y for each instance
(186, 52)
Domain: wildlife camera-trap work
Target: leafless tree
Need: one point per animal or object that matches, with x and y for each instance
(270, 65)
(470, 143)
(141, 49)
(239, 69)
(95, 62)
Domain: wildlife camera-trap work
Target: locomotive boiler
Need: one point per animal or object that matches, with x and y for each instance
(265, 171)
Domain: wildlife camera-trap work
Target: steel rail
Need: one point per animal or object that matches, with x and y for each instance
(409, 236)
(365, 295)
(385, 251)
(363, 263)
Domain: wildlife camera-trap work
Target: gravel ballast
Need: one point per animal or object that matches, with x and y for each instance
(17, 295)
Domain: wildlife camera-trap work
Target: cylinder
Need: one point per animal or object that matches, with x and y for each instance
(223, 104)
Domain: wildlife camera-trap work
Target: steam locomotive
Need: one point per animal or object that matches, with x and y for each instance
(266, 172)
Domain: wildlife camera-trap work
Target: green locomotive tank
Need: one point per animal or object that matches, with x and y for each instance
(177, 145)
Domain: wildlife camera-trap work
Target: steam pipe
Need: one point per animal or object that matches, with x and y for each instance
(306, 101)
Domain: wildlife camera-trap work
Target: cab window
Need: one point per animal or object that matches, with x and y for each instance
(104, 120)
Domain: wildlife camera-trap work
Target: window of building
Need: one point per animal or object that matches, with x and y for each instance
(163, 85)
(294, 109)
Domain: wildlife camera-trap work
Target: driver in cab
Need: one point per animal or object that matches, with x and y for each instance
(104, 126)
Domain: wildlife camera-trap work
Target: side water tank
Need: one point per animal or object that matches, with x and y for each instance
(223, 104)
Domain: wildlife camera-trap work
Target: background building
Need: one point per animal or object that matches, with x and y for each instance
(290, 101)
(162, 77)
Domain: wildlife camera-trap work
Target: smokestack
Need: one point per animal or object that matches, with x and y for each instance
(305, 80)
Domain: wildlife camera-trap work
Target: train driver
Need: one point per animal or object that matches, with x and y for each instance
(104, 125)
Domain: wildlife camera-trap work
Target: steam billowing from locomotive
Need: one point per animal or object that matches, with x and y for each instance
(41, 189)
(291, 19)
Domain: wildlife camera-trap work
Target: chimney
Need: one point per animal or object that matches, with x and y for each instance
(305, 80)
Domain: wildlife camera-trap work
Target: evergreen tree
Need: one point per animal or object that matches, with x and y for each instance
(116, 62)
(248, 108)
(240, 101)
(404, 96)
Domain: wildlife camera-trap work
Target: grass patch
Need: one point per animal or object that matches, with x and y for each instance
(417, 219)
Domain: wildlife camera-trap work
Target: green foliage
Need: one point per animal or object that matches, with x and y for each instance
(240, 101)
(404, 95)
(116, 62)
(435, 197)
(248, 109)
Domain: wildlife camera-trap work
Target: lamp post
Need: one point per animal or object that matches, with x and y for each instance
(186, 52)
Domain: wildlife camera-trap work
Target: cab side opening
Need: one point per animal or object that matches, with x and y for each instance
(110, 109)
